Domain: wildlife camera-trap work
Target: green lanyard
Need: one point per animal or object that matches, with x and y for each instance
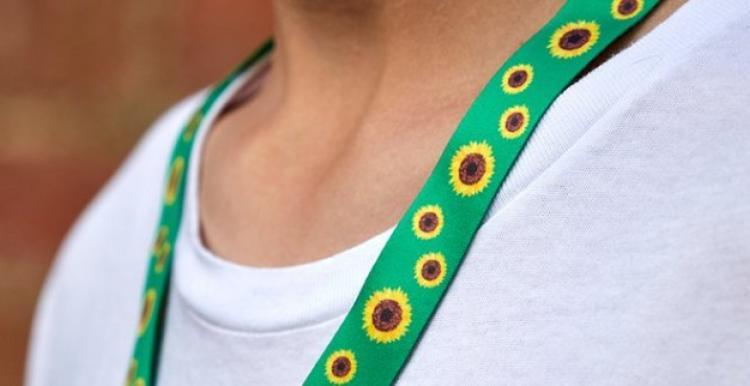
(418, 262)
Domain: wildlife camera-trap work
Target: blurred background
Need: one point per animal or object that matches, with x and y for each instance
(80, 80)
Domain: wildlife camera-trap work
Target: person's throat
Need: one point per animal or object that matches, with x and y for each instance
(360, 56)
(360, 99)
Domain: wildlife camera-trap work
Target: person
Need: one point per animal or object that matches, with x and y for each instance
(617, 251)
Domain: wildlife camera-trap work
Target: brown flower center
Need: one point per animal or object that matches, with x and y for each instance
(161, 239)
(341, 366)
(574, 39)
(161, 259)
(429, 222)
(192, 126)
(518, 78)
(160, 247)
(174, 179)
(387, 315)
(431, 270)
(514, 121)
(472, 169)
(146, 311)
(627, 7)
(131, 373)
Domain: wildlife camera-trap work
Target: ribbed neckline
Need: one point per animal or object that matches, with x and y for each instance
(259, 300)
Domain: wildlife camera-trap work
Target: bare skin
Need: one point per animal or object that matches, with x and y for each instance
(359, 101)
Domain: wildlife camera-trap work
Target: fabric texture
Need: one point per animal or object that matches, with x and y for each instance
(425, 250)
(616, 252)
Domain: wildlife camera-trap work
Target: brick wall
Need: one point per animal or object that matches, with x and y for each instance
(79, 81)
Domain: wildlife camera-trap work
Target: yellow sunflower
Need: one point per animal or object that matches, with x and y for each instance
(175, 177)
(162, 247)
(573, 39)
(430, 269)
(131, 373)
(517, 78)
(341, 367)
(161, 258)
(387, 315)
(626, 9)
(427, 222)
(471, 168)
(147, 311)
(192, 126)
(514, 121)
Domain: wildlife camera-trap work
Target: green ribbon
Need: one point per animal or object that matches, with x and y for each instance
(425, 250)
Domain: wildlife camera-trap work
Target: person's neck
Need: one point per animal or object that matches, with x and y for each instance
(358, 91)
(361, 56)
(358, 57)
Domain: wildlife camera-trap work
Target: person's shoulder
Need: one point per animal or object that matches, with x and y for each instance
(701, 79)
(91, 296)
(704, 36)
(130, 201)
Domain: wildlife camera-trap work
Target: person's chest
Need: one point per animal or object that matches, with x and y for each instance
(276, 194)
(545, 304)
(615, 255)
(598, 272)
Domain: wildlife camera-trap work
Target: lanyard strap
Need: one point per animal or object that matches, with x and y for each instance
(419, 260)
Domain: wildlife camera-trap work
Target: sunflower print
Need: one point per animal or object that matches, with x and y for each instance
(396, 300)
(131, 373)
(387, 315)
(428, 222)
(574, 39)
(147, 311)
(430, 269)
(341, 367)
(471, 168)
(626, 9)
(162, 248)
(192, 126)
(518, 78)
(175, 177)
(514, 121)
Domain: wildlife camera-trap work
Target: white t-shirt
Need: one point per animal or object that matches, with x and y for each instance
(616, 253)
